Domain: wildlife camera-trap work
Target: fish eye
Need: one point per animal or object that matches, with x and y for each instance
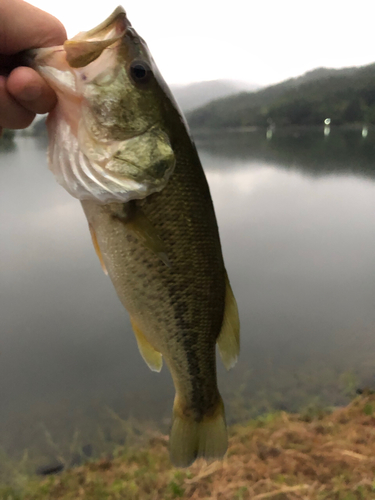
(140, 72)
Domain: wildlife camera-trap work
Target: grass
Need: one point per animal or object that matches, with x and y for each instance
(281, 456)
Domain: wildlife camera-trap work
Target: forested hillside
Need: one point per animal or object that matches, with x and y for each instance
(346, 96)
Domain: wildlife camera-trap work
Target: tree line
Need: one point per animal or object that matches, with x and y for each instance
(345, 96)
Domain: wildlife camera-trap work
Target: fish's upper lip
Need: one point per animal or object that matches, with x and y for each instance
(118, 17)
(116, 21)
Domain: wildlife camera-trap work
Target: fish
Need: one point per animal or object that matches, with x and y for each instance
(119, 143)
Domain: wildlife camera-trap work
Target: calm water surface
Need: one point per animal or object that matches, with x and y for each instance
(297, 222)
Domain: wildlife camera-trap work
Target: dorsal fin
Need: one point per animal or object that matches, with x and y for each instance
(229, 339)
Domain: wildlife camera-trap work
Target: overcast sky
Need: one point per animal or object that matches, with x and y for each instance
(259, 41)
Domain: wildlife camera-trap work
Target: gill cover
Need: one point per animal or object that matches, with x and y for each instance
(104, 144)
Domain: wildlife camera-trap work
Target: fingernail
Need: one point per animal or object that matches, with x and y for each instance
(30, 93)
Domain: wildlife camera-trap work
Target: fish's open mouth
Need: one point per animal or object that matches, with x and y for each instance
(86, 46)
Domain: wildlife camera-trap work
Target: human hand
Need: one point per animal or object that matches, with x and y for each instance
(23, 93)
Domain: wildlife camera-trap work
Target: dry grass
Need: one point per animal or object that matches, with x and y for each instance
(278, 457)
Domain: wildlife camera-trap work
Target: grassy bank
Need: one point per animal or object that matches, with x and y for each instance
(281, 456)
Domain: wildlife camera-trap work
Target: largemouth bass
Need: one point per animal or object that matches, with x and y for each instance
(119, 144)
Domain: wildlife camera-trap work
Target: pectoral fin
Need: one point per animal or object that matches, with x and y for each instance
(138, 223)
(97, 248)
(152, 357)
(229, 338)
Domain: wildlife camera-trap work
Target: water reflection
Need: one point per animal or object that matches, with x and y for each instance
(296, 218)
(344, 151)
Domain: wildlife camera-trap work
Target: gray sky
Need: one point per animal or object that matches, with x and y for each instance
(260, 42)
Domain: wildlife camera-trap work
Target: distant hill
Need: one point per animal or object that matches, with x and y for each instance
(195, 95)
(7, 134)
(7, 140)
(345, 95)
(36, 129)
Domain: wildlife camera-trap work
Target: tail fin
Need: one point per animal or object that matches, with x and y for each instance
(190, 439)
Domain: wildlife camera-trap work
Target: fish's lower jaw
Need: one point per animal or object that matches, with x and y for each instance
(191, 439)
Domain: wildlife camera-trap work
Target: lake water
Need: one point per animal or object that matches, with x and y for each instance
(297, 221)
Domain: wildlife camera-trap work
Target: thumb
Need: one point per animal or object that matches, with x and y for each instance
(23, 26)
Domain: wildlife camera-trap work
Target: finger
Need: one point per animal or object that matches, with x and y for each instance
(30, 90)
(23, 26)
(12, 114)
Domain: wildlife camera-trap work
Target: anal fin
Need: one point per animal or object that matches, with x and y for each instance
(153, 358)
(229, 338)
(97, 248)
